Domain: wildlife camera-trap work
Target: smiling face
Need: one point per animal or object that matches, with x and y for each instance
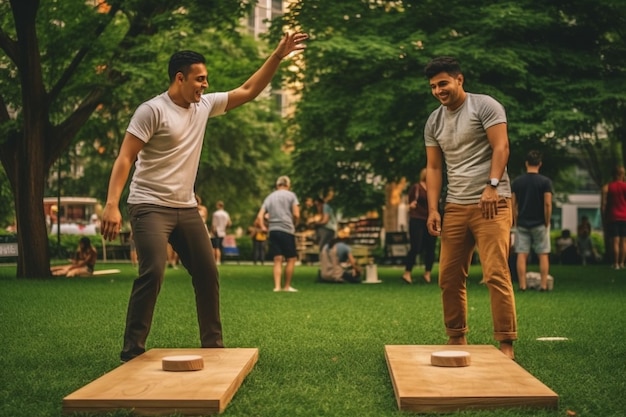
(187, 89)
(448, 89)
(193, 85)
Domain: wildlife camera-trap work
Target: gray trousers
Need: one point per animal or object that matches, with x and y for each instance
(153, 227)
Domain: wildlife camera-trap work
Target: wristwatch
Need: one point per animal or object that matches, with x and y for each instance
(493, 182)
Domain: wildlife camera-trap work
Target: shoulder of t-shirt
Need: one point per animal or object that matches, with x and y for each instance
(435, 112)
(483, 102)
(212, 98)
(483, 98)
(151, 104)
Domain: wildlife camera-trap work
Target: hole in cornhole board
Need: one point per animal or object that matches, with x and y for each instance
(491, 381)
(142, 385)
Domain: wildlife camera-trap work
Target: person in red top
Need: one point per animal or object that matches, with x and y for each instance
(614, 212)
(421, 242)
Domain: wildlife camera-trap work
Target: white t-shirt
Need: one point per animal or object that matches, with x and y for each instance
(220, 222)
(461, 135)
(166, 167)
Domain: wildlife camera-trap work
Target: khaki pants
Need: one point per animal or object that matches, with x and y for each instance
(463, 229)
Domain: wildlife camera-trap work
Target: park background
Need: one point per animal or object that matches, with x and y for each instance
(321, 350)
(344, 119)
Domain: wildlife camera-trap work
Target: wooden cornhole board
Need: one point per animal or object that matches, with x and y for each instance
(106, 272)
(492, 380)
(143, 386)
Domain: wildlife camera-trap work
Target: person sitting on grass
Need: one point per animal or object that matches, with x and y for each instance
(82, 264)
(336, 261)
(566, 248)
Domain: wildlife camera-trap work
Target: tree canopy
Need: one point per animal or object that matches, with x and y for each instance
(72, 72)
(555, 66)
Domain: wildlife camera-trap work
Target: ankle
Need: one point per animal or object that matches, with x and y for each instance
(457, 340)
(506, 347)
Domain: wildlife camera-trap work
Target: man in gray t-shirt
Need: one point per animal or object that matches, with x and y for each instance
(468, 132)
(281, 209)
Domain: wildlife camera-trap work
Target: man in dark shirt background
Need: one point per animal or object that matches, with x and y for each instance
(532, 209)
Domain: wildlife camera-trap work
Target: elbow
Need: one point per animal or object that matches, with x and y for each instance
(504, 149)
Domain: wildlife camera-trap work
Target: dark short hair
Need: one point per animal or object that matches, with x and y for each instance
(534, 158)
(181, 61)
(442, 64)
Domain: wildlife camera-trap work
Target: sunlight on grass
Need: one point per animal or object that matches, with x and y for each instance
(321, 349)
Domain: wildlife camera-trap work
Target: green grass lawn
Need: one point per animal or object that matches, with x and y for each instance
(321, 350)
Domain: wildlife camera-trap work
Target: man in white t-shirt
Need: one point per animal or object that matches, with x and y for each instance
(164, 141)
(219, 222)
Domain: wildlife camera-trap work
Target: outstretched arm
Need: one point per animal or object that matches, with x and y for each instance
(262, 77)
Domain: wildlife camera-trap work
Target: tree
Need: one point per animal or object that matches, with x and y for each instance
(61, 62)
(554, 66)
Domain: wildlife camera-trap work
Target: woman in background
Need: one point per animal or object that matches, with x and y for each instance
(421, 242)
(82, 264)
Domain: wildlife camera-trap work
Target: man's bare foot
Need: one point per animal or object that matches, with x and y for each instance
(506, 347)
(427, 277)
(407, 278)
(457, 340)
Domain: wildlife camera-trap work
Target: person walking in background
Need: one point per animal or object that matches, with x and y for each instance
(532, 209)
(164, 141)
(83, 262)
(421, 242)
(203, 211)
(326, 223)
(283, 211)
(469, 133)
(259, 240)
(307, 215)
(614, 213)
(220, 221)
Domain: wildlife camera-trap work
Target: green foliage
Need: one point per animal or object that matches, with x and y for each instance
(7, 212)
(365, 100)
(242, 154)
(327, 358)
(72, 73)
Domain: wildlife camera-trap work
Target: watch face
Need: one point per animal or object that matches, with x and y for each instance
(495, 183)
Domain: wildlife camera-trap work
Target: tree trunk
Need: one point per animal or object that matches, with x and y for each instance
(34, 252)
(29, 164)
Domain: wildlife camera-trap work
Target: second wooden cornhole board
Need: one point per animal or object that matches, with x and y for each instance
(145, 387)
(492, 380)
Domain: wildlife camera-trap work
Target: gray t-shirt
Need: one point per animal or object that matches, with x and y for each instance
(461, 135)
(279, 204)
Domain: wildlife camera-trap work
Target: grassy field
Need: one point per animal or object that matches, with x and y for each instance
(321, 349)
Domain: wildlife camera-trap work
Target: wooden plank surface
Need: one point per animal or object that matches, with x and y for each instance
(491, 381)
(142, 385)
